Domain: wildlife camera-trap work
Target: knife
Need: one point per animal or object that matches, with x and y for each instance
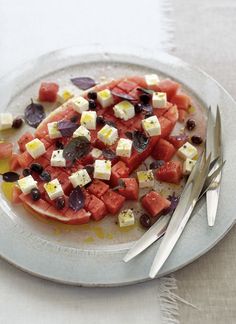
(179, 219)
(213, 145)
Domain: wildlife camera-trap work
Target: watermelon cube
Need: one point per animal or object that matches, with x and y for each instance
(127, 86)
(172, 114)
(163, 150)
(65, 182)
(169, 86)
(77, 217)
(96, 207)
(24, 159)
(130, 190)
(48, 91)
(181, 100)
(154, 203)
(182, 115)
(98, 188)
(171, 172)
(24, 139)
(14, 164)
(16, 192)
(166, 126)
(113, 201)
(178, 140)
(119, 170)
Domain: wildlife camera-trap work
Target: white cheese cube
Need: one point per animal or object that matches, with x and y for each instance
(79, 104)
(188, 166)
(35, 148)
(102, 169)
(54, 189)
(26, 184)
(159, 99)
(105, 98)
(88, 119)
(108, 135)
(63, 95)
(53, 131)
(124, 110)
(6, 121)
(145, 179)
(151, 126)
(82, 131)
(96, 153)
(152, 79)
(124, 147)
(126, 218)
(187, 151)
(57, 159)
(80, 178)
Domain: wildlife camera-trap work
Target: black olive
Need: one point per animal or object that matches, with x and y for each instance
(59, 145)
(196, 140)
(26, 172)
(92, 95)
(190, 124)
(74, 118)
(100, 120)
(145, 221)
(92, 104)
(35, 194)
(60, 202)
(45, 176)
(36, 167)
(144, 98)
(17, 122)
(148, 114)
(89, 168)
(138, 108)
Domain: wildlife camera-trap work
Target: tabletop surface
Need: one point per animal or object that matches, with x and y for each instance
(204, 35)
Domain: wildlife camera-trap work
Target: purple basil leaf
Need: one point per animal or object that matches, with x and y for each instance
(109, 154)
(124, 96)
(121, 185)
(147, 109)
(174, 200)
(76, 199)
(83, 83)
(147, 91)
(76, 148)
(66, 127)
(10, 176)
(34, 114)
(140, 141)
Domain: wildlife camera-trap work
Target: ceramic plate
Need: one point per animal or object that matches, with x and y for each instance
(91, 255)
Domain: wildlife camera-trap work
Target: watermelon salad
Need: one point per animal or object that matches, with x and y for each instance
(117, 142)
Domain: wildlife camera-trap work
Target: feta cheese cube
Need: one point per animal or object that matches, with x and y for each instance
(105, 98)
(152, 79)
(124, 147)
(80, 178)
(159, 99)
(53, 131)
(6, 121)
(54, 189)
(79, 104)
(124, 110)
(63, 95)
(26, 184)
(57, 159)
(96, 153)
(188, 166)
(151, 126)
(35, 148)
(145, 179)
(102, 169)
(187, 151)
(108, 135)
(82, 131)
(88, 119)
(126, 218)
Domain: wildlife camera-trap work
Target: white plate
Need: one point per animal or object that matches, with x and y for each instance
(92, 255)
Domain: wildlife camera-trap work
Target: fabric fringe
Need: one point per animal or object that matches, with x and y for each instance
(167, 23)
(168, 300)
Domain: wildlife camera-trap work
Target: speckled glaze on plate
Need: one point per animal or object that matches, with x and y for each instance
(69, 254)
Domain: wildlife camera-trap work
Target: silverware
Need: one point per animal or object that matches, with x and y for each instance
(159, 228)
(213, 145)
(182, 213)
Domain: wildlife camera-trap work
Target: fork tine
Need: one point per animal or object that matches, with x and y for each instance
(217, 133)
(210, 147)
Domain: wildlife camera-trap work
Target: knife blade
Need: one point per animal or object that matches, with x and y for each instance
(213, 144)
(182, 213)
